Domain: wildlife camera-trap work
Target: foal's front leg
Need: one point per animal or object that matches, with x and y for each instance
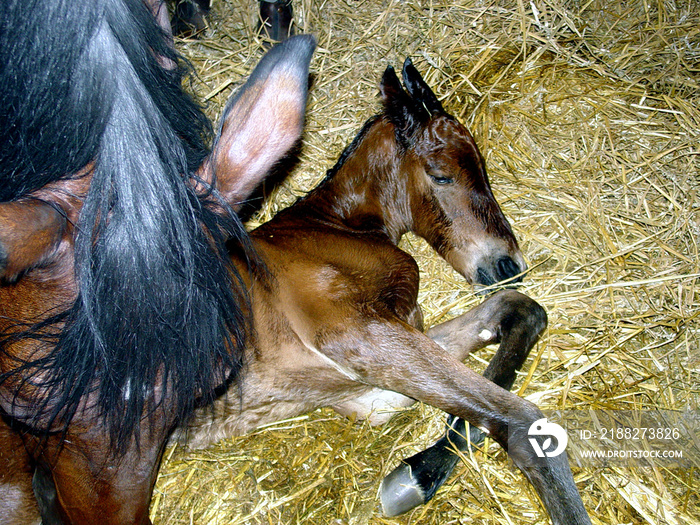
(508, 317)
(395, 356)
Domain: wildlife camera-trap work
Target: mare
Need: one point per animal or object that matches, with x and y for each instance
(120, 310)
(336, 320)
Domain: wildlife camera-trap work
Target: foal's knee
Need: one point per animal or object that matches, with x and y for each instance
(518, 310)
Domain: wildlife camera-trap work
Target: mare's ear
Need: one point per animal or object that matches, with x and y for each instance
(419, 90)
(30, 231)
(262, 121)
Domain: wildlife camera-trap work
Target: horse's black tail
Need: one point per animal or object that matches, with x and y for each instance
(158, 312)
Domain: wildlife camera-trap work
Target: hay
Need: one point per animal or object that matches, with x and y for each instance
(587, 114)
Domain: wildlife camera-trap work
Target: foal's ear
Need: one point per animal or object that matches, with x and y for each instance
(398, 105)
(262, 121)
(30, 231)
(419, 90)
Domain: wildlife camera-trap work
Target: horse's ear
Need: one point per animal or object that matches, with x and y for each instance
(262, 121)
(390, 88)
(398, 105)
(30, 231)
(419, 90)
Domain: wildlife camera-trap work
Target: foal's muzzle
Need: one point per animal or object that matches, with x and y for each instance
(503, 269)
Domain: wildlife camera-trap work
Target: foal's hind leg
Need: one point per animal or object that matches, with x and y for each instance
(509, 317)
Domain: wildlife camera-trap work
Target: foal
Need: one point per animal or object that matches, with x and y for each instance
(335, 312)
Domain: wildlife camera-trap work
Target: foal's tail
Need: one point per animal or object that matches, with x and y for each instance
(159, 310)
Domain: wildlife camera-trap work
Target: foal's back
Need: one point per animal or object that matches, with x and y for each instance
(335, 269)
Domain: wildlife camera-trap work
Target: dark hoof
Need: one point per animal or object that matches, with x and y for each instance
(276, 19)
(400, 491)
(418, 478)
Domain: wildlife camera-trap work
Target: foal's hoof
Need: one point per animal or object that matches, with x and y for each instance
(400, 491)
(276, 19)
(416, 480)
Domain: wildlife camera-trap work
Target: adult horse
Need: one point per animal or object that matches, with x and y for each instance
(335, 313)
(120, 311)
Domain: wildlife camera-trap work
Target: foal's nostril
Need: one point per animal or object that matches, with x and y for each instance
(507, 268)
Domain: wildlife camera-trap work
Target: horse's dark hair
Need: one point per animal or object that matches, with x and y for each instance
(350, 149)
(86, 81)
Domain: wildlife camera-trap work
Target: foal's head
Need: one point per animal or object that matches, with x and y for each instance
(451, 202)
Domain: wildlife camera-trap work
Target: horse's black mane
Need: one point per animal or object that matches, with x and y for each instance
(349, 150)
(83, 81)
(389, 113)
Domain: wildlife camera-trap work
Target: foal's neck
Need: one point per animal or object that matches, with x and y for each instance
(368, 192)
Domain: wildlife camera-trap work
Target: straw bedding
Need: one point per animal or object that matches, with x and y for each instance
(587, 115)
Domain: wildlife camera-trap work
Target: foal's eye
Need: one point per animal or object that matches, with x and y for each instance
(440, 179)
(437, 174)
